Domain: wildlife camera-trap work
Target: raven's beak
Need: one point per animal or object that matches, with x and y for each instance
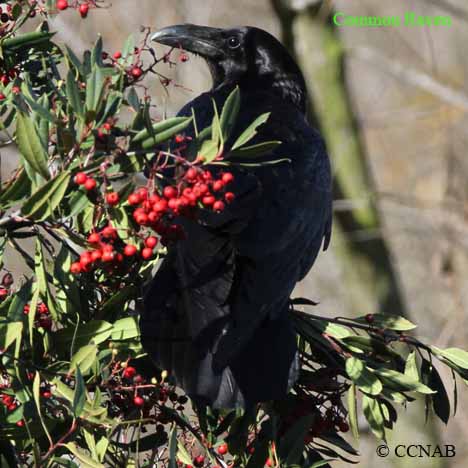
(199, 40)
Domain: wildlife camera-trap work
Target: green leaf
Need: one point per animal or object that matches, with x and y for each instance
(9, 333)
(36, 107)
(402, 381)
(79, 396)
(73, 94)
(133, 100)
(87, 461)
(229, 113)
(352, 411)
(373, 414)
(457, 356)
(30, 145)
(336, 331)
(84, 358)
(25, 41)
(182, 454)
(440, 401)
(47, 198)
(173, 447)
(209, 150)
(94, 91)
(95, 331)
(292, 443)
(163, 131)
(73, 60)
(411, 368)
(250, 131)
(389, 322)
(96, 54)
(362, 377)
(254, 151)
(16, 190)
(126, 329)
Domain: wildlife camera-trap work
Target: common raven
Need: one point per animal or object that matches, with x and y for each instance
(216, 315)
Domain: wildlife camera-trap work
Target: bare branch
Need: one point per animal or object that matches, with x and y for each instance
(412, 76)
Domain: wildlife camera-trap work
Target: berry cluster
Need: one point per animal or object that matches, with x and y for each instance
(197, 187)
(108, 248)
(134, 71)
(9, 400)
(81, 7)
(42, 318)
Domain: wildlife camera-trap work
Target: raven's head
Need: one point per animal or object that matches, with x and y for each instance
(246, 56)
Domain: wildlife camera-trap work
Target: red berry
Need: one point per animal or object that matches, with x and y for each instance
(90, 184)
(143, 193)
(112, 198)
(4, 80)
(3, 293)
(153, 217)
(218, 206)
(109, 232)
(62, 4)
(7, 400)
(160, 206)
(183, 57)
(26, 308)
(198, 461)
(344, 427)
(96, 255)
(46, 394)
(16, 90)
(94, 238)
(136, 72)
(2, 97)
(141, 218)
(11, 407)
(138, 401)
(223, 449)
(133, 199)
(207, 175)
(45, 322)
(179, 138)
(75, 268)
(83, 9)
(227, 177)
(80, 178)
(191, 174)
(170, 192)
(151, 242)
(129, 372)
(370, 318)
(218, 185)
(108, 256)
(20, 423)
(147, 253)
(229, 197)
(117, 55)
(130, 250)
(42, 308)
(208, 200)
(269, 462)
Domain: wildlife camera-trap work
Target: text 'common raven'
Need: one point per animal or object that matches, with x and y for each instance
(216, 313)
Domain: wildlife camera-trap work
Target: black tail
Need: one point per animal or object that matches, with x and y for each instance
(264, 369)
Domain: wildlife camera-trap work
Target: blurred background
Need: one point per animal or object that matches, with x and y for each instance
(391, 104)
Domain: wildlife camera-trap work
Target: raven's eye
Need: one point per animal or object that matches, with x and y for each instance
(233, 42)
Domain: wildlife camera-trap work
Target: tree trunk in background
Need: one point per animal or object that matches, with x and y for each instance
(372, 281)
(358, 238)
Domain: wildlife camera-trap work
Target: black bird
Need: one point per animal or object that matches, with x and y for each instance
(216, 313)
